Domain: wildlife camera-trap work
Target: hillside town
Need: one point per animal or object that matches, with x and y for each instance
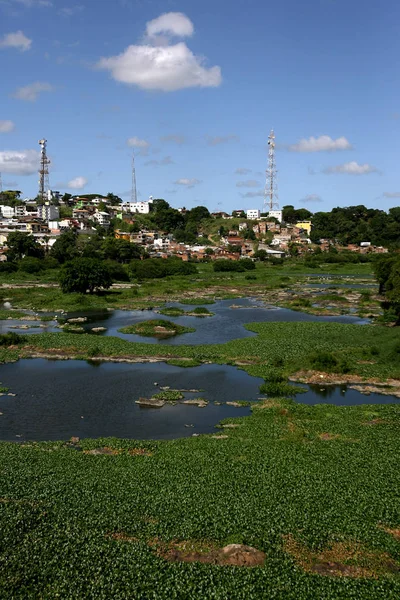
(243, 233)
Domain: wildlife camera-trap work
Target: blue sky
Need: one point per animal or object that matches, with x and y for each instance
(195, 87)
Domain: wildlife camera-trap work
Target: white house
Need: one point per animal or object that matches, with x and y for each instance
(253, 214)
(137, 207)
(277, 214)
(7, 211)
(102, 218)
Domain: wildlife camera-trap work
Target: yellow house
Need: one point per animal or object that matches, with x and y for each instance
(305, 225)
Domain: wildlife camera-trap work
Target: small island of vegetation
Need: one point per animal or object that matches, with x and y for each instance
(156, 328)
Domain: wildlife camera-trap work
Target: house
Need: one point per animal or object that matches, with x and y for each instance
(253, 214)
(102, 218)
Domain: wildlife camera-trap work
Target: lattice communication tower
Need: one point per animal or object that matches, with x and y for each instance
(43, 172)
(270, 192)
(134, 191)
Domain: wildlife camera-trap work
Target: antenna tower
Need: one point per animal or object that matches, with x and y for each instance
(43, 172)
(134, 192)
(271, 172)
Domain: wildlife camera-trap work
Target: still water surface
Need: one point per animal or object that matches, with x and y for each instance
(59, 399)
(227, 323)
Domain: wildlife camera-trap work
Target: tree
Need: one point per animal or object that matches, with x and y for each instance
(260, 254)
(66, 198)
(22, 244)
(120, 250)
(65, 247)
(84, 274)
(10, 198)
(113, 199)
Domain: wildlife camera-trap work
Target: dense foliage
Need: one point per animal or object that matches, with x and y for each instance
(245, 264)
(355, 224)
(76, 525)
(155, 268)
(84, 274)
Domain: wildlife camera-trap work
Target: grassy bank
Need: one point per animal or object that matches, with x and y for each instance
(364, 350)
(205, 283)
(313, 488)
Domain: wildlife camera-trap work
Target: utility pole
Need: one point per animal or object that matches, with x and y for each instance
(134, 192)
(43, 172)
(271, 172)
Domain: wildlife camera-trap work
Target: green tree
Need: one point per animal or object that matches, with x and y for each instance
(113, 199)
(120, 250)
(22, 244)
(65, 247)
(84, 274)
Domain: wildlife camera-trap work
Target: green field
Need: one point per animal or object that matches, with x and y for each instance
(305, 485)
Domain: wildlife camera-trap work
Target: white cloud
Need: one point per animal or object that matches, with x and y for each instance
(258, 194)
(391, 194)
(77, 184)
(189, 183)
(167, 160)
(16, 40)
(177, 139)
(311, 198)
(250, 183)
(30, 92)
(351, 168)
(323, 143)
(157, 65)
(33, 3)
(142, 145)
(222, 139)
(173, 23)
(71, 10)
(19, 162)
(242, 171)
(136, 142)
(6, 126)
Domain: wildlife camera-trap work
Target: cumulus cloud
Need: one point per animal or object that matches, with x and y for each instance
(189, 183)
(30, 93)
(19, 162)
(77, 183)
(176, 139)
(70, 11)
(136, 142)
(221, 139)
(167, 160)
(242, 171)
(158, 65)
(391, 194)
(16, 40)
(173, 23)
(311, 198)
(141, 145)
(351, 168)
(6, 126)
(323, 143)
(250, 183)
(257, 194)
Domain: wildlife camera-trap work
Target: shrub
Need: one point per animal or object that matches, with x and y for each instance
(225, 266)
(157, 268)
(8, 267)
(250, 276)
(327, 361)
(12, 339)
(30, 264)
